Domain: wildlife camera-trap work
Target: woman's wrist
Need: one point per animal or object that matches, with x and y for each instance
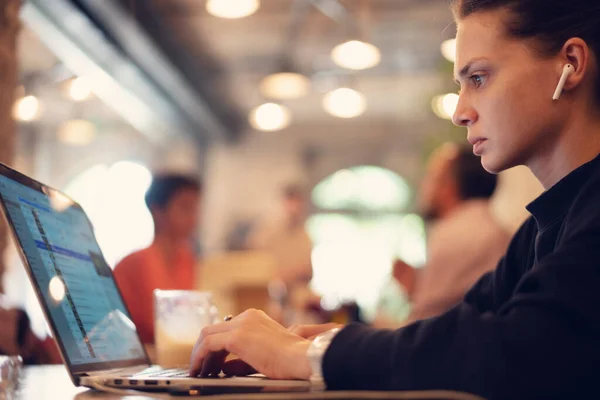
(301, 362)
(316, 351)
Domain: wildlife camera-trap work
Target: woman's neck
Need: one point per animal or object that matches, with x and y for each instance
(577, 144)
(168, 247)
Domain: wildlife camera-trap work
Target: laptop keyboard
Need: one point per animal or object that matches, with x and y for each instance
(163, 373)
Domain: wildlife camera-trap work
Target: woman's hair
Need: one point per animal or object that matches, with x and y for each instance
(550, 22)
(164, 187)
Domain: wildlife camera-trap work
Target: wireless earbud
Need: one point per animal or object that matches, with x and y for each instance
(567, 70)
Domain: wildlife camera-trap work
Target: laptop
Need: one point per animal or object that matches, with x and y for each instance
(98, 341)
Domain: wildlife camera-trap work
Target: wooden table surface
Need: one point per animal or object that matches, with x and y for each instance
(53, 383)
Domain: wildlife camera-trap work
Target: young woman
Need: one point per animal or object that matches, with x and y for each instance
(528, 72)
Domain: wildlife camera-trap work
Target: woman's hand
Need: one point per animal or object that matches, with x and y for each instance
(312, 331)
(261, 344)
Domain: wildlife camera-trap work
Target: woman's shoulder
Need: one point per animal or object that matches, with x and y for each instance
(524, 238)
(585, 208)
(133, 261)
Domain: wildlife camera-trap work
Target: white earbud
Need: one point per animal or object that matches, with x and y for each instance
(567, 70)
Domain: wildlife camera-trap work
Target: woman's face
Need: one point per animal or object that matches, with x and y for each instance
(506, 93)
(179, 218)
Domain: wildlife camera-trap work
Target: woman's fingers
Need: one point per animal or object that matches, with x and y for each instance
(209, 331)
(213, 363)
(237, 367)
(211, 343)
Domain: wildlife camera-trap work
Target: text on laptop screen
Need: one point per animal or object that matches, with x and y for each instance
(72, 276)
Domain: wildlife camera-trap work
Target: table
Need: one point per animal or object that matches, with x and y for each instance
(53, 383)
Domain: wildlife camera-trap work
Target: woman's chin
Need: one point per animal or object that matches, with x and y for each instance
(492, 164)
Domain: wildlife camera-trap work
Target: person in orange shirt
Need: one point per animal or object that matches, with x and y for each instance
(169, 263)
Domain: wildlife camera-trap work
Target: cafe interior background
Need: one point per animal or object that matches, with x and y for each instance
(348, 98)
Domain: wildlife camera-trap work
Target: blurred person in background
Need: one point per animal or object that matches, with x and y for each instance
(286, 239)
(395, 298)
(464, 240)
(170, 261)
(17, 337)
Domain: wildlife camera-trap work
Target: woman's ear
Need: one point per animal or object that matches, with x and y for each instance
(576, 53)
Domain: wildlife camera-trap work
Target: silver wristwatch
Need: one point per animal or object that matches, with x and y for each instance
(316, 351)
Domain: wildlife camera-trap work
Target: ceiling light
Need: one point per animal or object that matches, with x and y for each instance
(285, 86)
(449, 49)
(232, 9)
(355, 54)
(26, 108)
(445, 106)
(344, 103)
(270, 117)
(79, 89)
(77, 132)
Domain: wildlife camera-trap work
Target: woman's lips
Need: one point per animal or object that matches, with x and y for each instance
(478, 144)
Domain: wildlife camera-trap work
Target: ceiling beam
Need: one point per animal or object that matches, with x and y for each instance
(126, 70)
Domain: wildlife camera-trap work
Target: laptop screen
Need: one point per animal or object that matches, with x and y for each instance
(71, 277)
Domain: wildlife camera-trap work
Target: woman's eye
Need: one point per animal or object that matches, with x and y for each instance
(477, 80)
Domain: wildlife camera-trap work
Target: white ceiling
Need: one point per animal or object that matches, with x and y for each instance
(44, 76)
(399, 90)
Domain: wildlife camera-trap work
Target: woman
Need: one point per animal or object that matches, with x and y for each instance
(531, 328)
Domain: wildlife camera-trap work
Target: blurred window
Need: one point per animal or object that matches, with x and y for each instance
(361, 226)
(113, 198)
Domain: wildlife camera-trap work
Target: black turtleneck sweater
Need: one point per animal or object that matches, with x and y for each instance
(529, 329)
